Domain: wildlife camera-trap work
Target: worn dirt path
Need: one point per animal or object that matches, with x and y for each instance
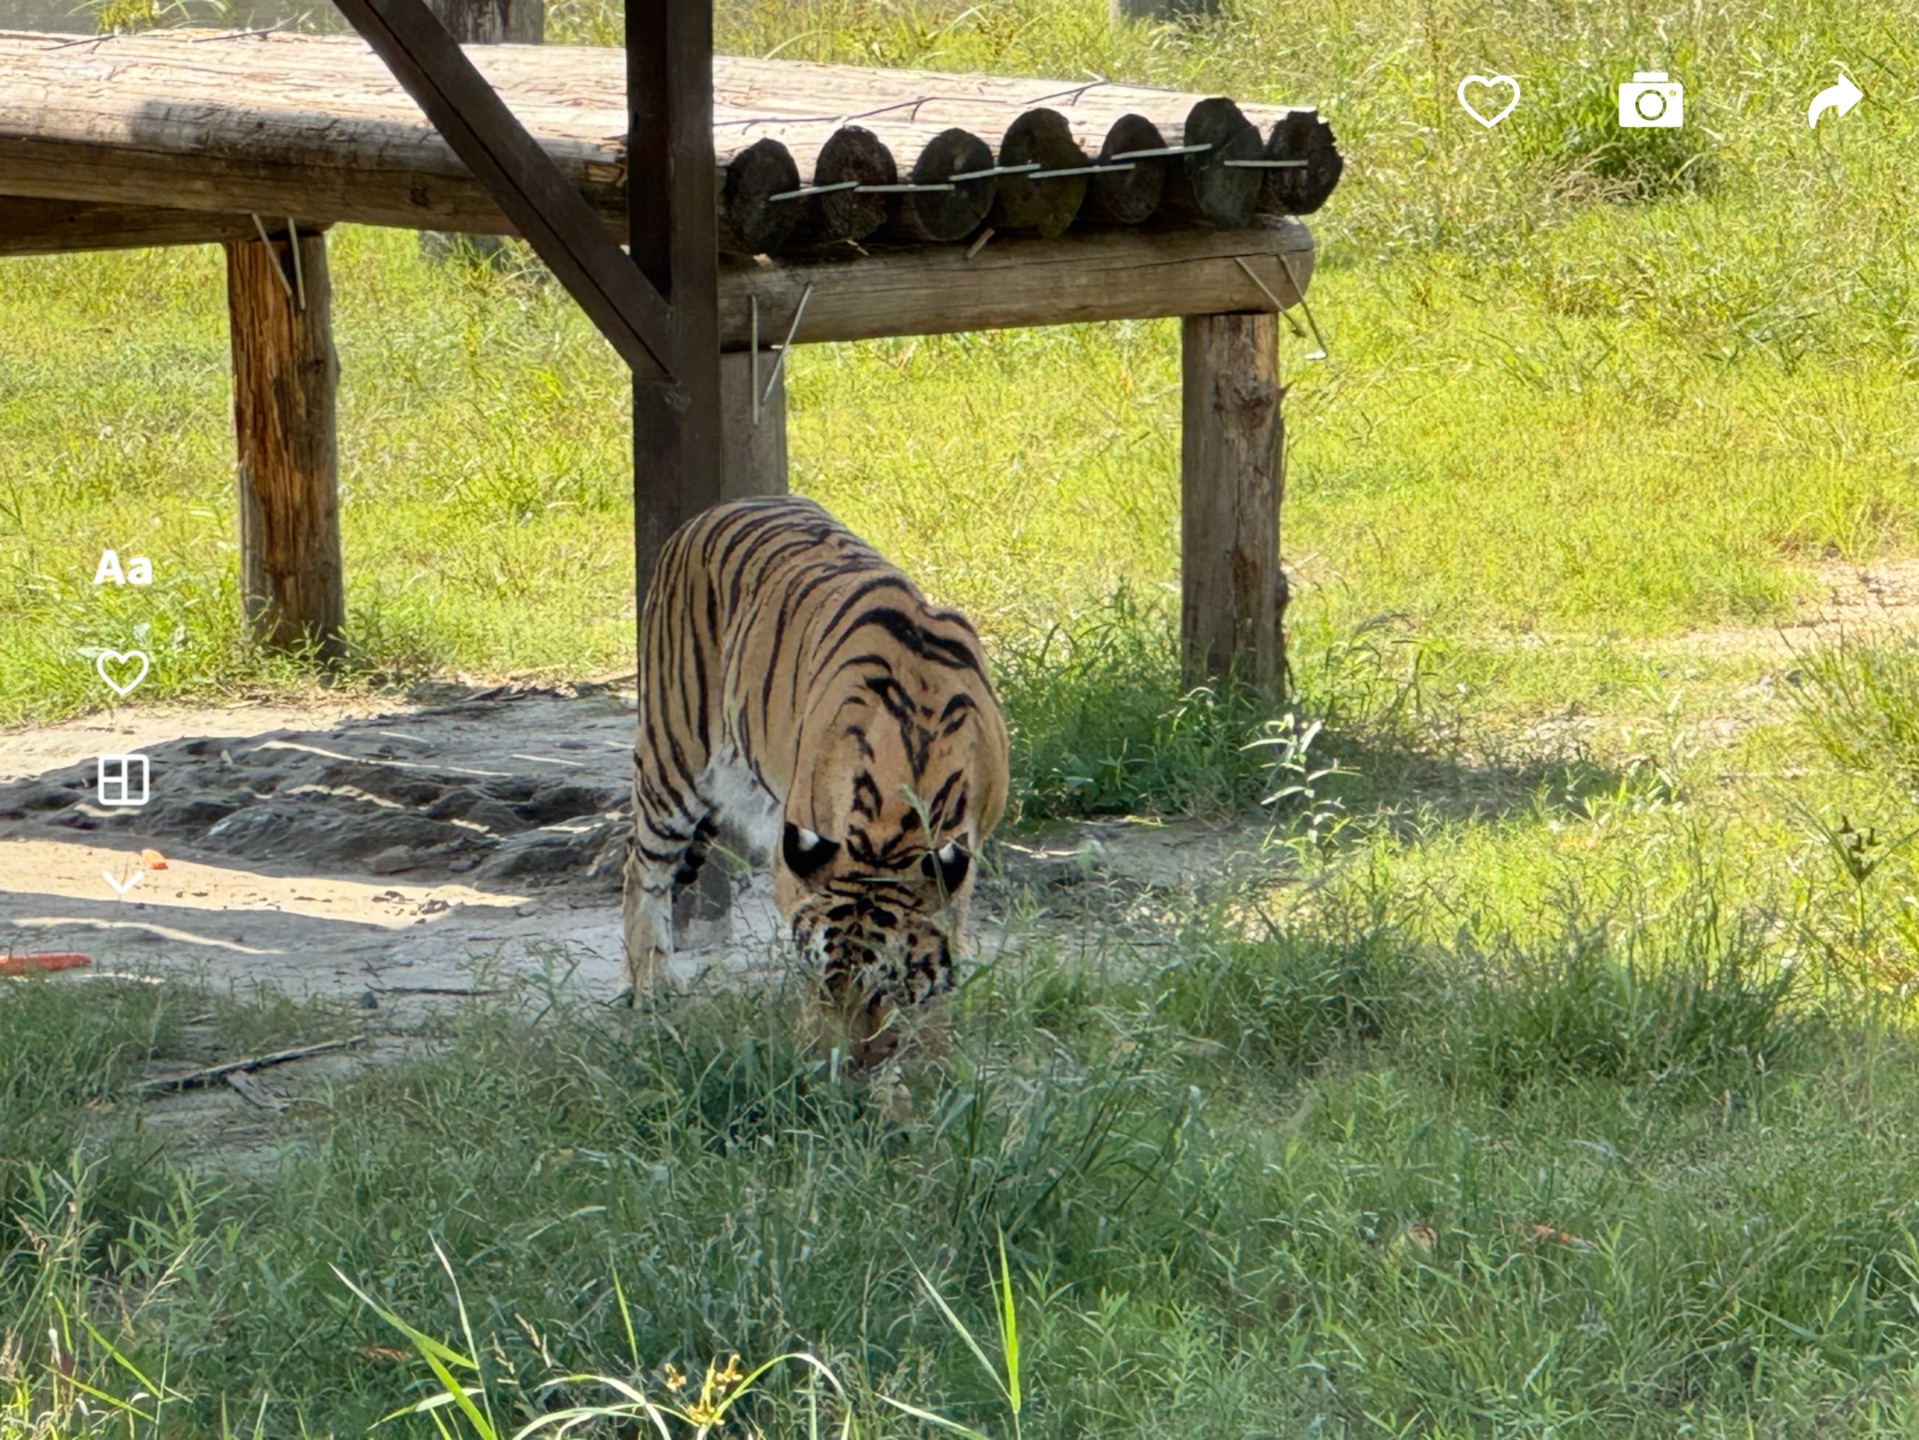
(343, 850)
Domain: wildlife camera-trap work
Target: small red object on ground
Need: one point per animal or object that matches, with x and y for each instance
(24, 964)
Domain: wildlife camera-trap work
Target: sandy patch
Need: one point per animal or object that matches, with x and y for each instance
(341, 850)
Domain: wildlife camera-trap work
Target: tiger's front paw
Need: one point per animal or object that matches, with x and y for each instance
(646, 926)
(645, 965)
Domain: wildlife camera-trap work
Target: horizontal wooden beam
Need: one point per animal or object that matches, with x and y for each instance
(219, 183)
(30, 226)
(1114, 275)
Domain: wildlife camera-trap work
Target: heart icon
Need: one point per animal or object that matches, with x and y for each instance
(114, 664)
(1490, 82)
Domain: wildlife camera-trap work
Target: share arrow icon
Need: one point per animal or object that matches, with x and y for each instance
(1841, 97)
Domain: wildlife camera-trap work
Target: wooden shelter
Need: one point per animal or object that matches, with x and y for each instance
(787, 203)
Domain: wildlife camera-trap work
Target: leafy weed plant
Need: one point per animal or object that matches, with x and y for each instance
(1859, 700)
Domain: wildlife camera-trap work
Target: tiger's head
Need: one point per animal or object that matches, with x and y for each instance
(900, 782)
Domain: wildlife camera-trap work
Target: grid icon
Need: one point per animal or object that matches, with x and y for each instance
(122, 780)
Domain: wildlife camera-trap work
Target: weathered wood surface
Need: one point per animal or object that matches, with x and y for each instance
(1112, 275)
(30, 226)
(1233, 593)
(285, 375)
(316, 125)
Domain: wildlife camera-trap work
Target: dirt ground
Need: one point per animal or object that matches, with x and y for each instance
(371, 850)
(395, 858)
(343, 851)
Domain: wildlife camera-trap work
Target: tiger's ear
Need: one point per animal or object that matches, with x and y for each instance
(948, 864)
(803, 851)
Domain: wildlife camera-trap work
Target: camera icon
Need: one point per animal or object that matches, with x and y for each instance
(1649, 101)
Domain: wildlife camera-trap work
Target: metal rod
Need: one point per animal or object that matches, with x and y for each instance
(1240, 260)
(807, 191)
(240, 34)
(1300, 291)
(902, 188)
(1278, 309)
(1081, 170)
(1069, 97)
(1161, 152)
(979, 244)
(791, 330)
(299, 273)
(285, 283)
(1266, 164)
(992, 170)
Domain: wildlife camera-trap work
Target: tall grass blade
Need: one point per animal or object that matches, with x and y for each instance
(931, 1419)
(964, 1334)
(1008, 1331)
(439, 1359)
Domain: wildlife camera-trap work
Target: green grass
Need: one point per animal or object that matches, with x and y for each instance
(1556, 1078)
(1860, 699)
(1292, 1173)
(1551, 410)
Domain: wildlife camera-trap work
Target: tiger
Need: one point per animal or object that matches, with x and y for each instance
(797, 685)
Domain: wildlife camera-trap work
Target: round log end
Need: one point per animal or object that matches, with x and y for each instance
(1049, 203)
(1301, 189)
(1127, 197)
(851, 154)
(1206, 187)
(935, 216)
(751, 221)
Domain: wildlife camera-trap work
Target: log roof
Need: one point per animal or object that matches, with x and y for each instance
(811, 155)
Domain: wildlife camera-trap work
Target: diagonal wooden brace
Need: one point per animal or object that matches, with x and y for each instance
(553, 217)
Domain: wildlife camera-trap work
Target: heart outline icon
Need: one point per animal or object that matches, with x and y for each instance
(122, 657)
(1489, 81)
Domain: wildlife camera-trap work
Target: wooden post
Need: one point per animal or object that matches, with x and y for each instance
(755, 455)
(492, 22)
(285, 373)
(673, 239)
(482, 22)
(1233, 594)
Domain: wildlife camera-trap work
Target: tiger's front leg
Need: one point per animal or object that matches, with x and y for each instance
(669, 842)
(646, 922)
